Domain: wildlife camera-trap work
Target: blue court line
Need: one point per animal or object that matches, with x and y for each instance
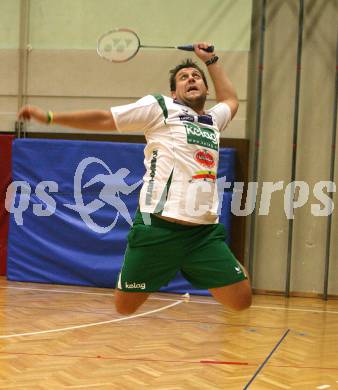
(266, 360)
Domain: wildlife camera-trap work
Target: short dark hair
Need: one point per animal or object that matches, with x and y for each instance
(188, 63)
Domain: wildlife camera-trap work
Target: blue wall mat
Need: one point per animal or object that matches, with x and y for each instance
(61, 248)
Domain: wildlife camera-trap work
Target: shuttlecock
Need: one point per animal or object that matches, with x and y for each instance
(186, 297)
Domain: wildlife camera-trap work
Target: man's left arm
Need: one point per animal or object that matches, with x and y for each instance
(225, 91)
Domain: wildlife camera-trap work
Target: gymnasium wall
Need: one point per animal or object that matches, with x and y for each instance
(63, 72)
(314, 145)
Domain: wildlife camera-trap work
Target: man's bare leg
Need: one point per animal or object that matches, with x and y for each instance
(128, 302)
(236, 296)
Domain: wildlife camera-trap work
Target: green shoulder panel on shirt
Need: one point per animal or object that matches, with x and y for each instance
(161, 102)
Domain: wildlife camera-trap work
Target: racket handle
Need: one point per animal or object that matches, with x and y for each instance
(209, 49)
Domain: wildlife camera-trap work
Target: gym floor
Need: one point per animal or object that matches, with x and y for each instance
(70, 337)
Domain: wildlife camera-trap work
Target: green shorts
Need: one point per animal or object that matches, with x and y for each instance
(157, 251)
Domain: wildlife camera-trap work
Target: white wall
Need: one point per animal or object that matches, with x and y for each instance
(63, 71)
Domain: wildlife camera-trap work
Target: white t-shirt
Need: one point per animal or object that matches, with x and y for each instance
(181, 156)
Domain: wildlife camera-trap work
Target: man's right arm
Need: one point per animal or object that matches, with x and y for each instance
(225, 91)
(87, 119)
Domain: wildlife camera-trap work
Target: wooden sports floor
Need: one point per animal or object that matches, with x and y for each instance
(65, 337)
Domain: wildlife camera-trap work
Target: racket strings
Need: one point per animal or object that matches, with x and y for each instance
(118, 46)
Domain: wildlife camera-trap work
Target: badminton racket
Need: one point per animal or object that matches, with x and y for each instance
(122, 44)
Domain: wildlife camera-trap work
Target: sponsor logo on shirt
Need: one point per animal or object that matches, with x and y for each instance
(201, 136)
(204, 119)
(205, 158)
(141, 286)
(204, 175)
(187, 117)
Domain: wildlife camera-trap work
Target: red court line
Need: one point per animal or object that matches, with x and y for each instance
(167, 361)
(222, 362)
(123, 359)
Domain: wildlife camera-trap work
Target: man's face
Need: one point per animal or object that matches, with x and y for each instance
(190, 88)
